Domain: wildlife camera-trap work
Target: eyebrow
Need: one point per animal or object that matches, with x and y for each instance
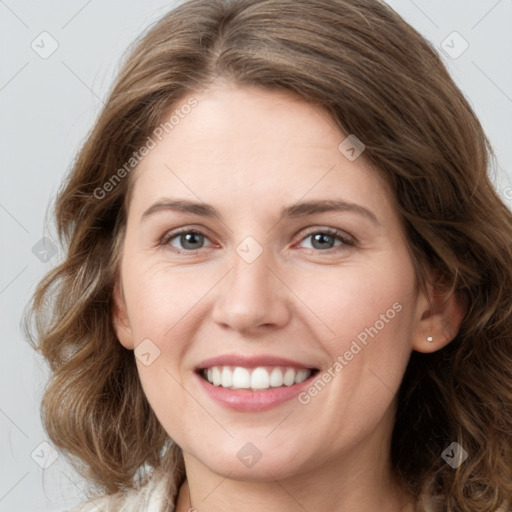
(301, 209)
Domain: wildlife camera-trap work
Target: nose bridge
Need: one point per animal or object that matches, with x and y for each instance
(251, 295)
(250, 271)
(251, 278)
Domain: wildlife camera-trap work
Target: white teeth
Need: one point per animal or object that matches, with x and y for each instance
(276, 378)
(258, 378)
(226, 379)
(301, 376)
(241, 378)
(289, 377)
(216, 378)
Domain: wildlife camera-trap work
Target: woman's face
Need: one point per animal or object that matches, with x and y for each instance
(258, 254)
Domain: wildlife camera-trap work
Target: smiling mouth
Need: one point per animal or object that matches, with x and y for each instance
(260, 378)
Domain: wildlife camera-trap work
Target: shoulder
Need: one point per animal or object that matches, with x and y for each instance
(157, 495)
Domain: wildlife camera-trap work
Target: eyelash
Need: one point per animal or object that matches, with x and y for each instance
(345, 239)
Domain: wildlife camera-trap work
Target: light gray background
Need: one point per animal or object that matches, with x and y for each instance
(48, 106)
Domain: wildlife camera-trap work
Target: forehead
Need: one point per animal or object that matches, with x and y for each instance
(251, 146)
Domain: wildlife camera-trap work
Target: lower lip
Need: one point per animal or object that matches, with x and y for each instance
(246, 400)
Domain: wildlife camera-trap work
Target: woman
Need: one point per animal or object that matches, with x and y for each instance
(288, 276)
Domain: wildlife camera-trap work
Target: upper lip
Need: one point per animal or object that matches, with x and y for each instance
(251, 362)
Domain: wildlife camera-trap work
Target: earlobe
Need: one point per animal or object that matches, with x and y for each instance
(440, 317)
(120, 318)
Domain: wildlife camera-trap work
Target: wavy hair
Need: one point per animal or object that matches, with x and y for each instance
(380, 80)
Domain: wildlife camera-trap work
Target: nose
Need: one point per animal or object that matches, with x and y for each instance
(252, 298)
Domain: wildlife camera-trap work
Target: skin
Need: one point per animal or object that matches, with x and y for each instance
(250, 152)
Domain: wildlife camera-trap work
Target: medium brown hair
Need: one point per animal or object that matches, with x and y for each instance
(380, 80)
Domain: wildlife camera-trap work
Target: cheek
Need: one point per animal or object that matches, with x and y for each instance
(161, 299)
(367, 324)
(358, 301)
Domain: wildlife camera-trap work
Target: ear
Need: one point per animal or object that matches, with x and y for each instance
(439, 316)
(120, 318)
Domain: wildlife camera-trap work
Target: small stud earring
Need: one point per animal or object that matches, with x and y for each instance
(430, 339)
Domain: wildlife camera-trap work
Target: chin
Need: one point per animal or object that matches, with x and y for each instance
(258, 462)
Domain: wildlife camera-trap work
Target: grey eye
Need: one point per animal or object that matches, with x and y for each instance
(321, 240)
(189, 241)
